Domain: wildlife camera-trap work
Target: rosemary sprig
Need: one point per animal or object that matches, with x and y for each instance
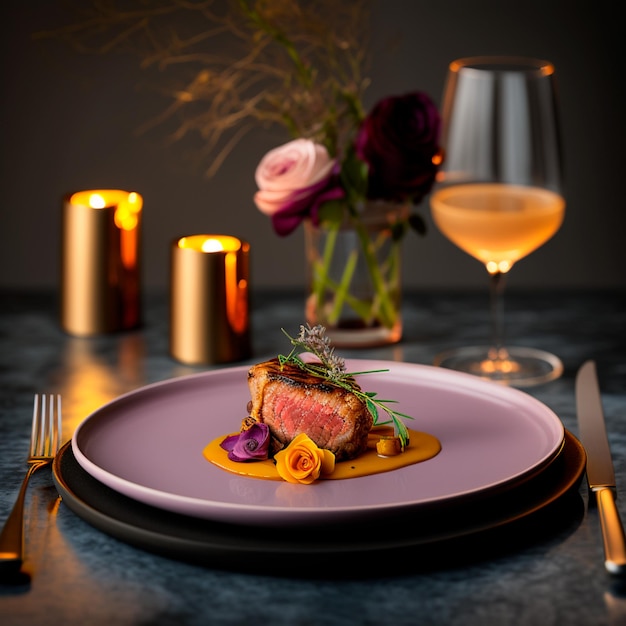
(332, 368)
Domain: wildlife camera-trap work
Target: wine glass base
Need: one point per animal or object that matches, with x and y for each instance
(517, 367)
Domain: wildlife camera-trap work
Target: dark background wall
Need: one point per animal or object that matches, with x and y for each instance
(70, 121)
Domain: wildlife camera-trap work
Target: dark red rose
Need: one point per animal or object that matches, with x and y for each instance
(398, 141)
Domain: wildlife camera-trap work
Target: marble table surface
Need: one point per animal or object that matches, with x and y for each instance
(550, 572)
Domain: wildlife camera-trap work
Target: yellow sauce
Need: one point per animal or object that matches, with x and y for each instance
(422, 447)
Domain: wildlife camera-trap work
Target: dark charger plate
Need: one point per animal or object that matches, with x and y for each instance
(527, 513)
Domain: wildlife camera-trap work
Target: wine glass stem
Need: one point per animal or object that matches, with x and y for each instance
(496, 285)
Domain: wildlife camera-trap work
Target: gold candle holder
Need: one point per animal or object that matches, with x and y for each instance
(209, 318)
(100, 261)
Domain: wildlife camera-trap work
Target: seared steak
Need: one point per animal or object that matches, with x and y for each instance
(291, 401)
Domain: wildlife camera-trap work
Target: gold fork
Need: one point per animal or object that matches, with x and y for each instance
(45, 441)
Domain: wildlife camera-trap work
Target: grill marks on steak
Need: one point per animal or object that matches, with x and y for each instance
(291, 401)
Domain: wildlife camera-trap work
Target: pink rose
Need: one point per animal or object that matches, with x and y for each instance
(293, 180)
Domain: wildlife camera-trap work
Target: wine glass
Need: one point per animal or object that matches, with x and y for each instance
(498, 195)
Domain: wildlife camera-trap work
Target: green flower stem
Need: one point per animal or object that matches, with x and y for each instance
(387, 310)
(381, 307)
(394, 267)
(343, 288)
(362, 308)
(321, 271)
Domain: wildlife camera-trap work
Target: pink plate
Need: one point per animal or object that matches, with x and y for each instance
(147, 444)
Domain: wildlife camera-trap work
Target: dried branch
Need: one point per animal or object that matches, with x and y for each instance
(238, 64)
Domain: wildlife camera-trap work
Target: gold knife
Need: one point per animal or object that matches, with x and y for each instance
(600, 472)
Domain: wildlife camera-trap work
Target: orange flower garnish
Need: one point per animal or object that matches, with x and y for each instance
(302, 461)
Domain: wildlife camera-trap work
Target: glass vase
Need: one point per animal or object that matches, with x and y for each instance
(354, 276)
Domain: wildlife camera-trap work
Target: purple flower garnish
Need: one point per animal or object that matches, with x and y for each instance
(249, 445)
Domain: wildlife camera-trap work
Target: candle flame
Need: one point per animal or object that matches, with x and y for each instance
(127, 205)
(96, 201)
(128, 209)
(236, 285)
(212, 245)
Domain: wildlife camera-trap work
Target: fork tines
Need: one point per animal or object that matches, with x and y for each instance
(46, 431)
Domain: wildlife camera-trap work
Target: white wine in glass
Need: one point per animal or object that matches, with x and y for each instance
(499, 193)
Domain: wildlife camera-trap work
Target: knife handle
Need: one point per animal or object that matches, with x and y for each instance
(612, 531)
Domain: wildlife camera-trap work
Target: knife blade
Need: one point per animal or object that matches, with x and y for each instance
(600, 472)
